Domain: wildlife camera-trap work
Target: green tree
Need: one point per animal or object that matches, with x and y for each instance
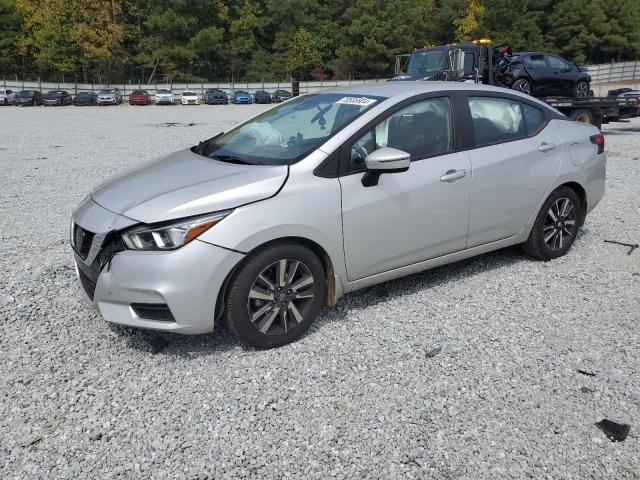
(577, 28)
(373, 31)
(10, 22)
(46, 34)
(468, 25)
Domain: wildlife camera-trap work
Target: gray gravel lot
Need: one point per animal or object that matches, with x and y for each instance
(466, 371)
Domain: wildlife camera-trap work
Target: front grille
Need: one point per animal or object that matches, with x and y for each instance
(82, 240)
(88, 284)
(153, 311)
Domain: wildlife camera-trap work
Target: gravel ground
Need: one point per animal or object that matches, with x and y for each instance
(466, 371)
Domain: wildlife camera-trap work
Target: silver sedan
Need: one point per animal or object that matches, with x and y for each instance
(329, 193)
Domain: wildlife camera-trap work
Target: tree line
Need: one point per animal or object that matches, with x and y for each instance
(254, 40)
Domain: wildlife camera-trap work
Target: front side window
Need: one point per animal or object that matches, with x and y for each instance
(557, 63)
(496, 120)
(423, 129)
(535, 61)
(288, 132)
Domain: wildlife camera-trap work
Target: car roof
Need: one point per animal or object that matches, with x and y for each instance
(417, 87)
(396, 88)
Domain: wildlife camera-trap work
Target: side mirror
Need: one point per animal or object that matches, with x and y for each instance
(384, 160)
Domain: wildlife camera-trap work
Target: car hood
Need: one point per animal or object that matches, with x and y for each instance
(183, 184)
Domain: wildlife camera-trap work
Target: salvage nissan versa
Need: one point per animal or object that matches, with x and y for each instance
(329, 193)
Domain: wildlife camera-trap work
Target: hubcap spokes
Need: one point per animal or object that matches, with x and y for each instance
(279, 297)
(525, 88)
(559, 224)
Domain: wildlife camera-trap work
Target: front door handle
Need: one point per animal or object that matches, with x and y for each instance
(453, 175)
(546, 147)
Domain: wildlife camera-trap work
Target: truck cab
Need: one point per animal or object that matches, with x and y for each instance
(456, 62)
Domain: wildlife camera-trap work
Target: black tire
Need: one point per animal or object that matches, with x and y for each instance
(540, 243)
(582, 115)
(279, 331)
(582, 89)
(523, 86)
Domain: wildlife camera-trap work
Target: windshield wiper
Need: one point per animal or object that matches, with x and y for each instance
(231, 159)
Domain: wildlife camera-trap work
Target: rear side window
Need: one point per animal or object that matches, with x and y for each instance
(533, 119)
(535, 61)
(496, 120)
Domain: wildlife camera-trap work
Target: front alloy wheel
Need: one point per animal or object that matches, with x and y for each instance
(280, 296)
(274, 296)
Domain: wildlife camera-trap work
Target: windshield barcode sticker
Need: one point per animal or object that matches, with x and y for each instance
(362, 101)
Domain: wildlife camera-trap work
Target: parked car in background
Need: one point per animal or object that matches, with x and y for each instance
(262, 97)
(215, 96)
(164, 97)
(28, 97)
(139, 97)
(84, 99)
(543, 74)
(109, 96)
(57, 98)
(240, 96)
(267, 231)
(189, 97)
(281, 96)
(6, 96)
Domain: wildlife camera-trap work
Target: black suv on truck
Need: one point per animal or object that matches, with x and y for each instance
(535, 73)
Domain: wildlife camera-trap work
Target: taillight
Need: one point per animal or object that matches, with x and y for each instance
(599, 141)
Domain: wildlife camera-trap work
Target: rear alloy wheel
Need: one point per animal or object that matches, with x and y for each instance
(275, 295)
(582, 89)
(523, 86)
(556, 226)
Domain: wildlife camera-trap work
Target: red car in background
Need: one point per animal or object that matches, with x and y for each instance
(139, 97)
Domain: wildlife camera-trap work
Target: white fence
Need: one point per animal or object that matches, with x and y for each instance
(614, 72)
(127, 88)
(600, 74)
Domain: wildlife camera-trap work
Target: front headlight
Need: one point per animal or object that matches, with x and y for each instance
(169, 236)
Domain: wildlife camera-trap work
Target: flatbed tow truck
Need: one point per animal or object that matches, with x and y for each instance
(480, 62)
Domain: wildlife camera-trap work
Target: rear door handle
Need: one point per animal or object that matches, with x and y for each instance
(546, 147)
(453, 175)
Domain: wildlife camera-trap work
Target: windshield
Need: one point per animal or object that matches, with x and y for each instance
(107, 91)
(240, 92)
(55, 93)
(26, 93)
(188, 94)
(164, 91)
(285, 134)
(426, 61)
(139, 92)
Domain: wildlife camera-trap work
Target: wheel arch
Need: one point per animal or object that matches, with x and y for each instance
(316, 248)
(582, 195)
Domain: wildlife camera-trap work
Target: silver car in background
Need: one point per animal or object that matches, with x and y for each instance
(329, 193)
(109, 96)
(6, 96)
